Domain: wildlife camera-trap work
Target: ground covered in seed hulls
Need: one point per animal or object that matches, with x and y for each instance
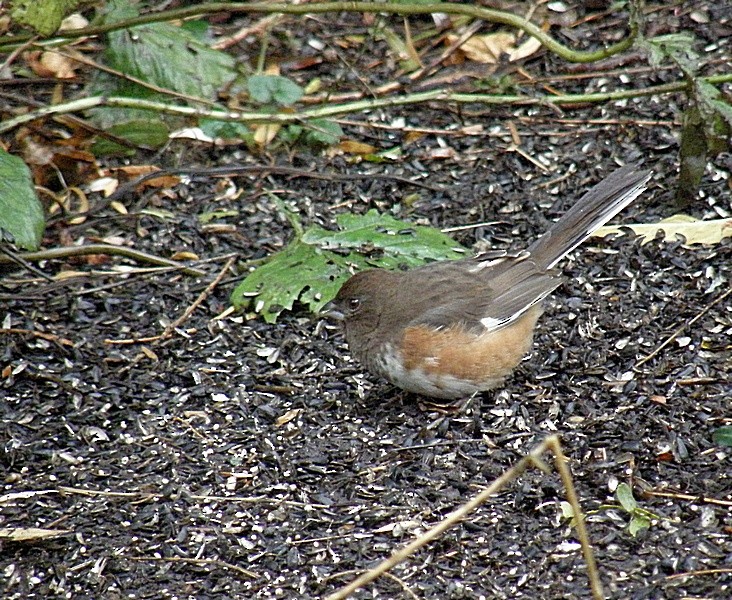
(238, 459)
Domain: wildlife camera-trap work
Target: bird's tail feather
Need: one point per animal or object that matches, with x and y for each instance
(589, 213)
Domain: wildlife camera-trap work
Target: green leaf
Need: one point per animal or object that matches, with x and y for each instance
(43, 17)
(676, 47)
(226, 130)
(21, 213)
(273, 89)
(723, 436)
(390, 154)
(215, 215)
(149, 133)
(323, 131)
(170, 57)
(198, 28)
(638, 522)
(567, 510)
(162, 55)
(115, 11)
(624, 494)
(313, 268)
(723, 109)
(401, 242)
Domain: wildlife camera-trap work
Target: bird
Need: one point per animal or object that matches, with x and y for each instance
(451, 328)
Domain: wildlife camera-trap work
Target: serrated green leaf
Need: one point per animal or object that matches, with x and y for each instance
(269, 89)
(412, 245)
(21, 213)
(678, 47)
(299, 271)
(624, 494)
(313, 268)
(723, 436)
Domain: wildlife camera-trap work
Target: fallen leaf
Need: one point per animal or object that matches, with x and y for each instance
(288, 416)
(354, 147)
(29, 534)
(185, 255)
(149, 353)
(265, 133)
(119, 207)
(693, 230)
(526, 49)
(51, 64)
(487, 48)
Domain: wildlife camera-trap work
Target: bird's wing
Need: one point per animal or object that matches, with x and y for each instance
(482, 296)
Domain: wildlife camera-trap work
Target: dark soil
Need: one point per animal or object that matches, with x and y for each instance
(238, 459)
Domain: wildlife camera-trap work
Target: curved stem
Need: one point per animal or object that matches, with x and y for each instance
(477, 12)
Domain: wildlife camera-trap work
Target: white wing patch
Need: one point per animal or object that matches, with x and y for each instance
(493, 258)
(493, 324)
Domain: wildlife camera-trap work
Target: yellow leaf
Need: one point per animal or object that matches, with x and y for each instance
(288, 416)
(119, 207)
(27, 534)
(264, 134)
(354, 147)
(185, 255)
(525, 50)
(693, 230)
(487, 48)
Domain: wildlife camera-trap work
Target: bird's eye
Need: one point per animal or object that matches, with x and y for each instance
(354, 304)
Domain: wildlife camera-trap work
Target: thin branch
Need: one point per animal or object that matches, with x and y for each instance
(534, 458)
(680, 329)
(394, 8)
(334, 110)
(108, 249)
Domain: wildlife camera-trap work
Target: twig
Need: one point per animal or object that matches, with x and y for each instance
(234, 170)
(195, 561)
(198, 301)
(39, 334)
(403, 9)
(689, 497)
(69, 251)
(401, 582)
(143, 496)
(19, 260)
(186, 314)
(560, 460)
(533, 458)
(697, 573)
(680, 329)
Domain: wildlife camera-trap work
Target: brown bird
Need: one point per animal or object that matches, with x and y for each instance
(452, 328)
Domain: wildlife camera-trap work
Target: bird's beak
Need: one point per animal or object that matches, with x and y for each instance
(331, 312)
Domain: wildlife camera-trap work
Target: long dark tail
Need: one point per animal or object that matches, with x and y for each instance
(589, 213)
